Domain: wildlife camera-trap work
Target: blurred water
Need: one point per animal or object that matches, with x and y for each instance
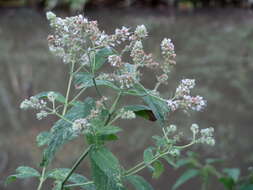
(216, 49)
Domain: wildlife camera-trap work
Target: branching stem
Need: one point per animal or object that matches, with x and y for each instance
(77, 163)
(42, 178)
(68, 89)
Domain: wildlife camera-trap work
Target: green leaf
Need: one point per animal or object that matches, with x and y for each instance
(158, 169)
(183, 162)
(213, 160)
(159, 141)
(228, 182)
(85, 80)
(62, 131)
(139, 182)
(159, 108)
(170, 161)
(106, 169)
(22, 173)
(43, 138)
(101, 57)
(100, 139)
(234, 173)
(59, 97)
(108, 130)
(59, 174)
(148, 155)
(142, 111)
(189, 174)
(155, 103)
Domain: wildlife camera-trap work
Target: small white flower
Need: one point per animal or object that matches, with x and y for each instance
(172, 129)
(115, 60)
(174, 152)
(51, 96)
(33, 103)
(128, 114)
(50, 15)
(173, 104)
(141, 31)
(42, 114)
(195, 128)
(80, 125)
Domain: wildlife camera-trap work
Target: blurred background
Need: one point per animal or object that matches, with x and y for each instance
(214, 45)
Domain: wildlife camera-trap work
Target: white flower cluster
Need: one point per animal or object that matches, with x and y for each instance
(42, 114)
(184, 88)
(127, 76)
(168, 53)
(127, 114)
(171, 129)
(115, 61)
(183, 98)
(37, 104)
(141, 31)
(51, 96)
(206, 135)
(97, 110)
(33, 103)
(122, 33)
(80, 125)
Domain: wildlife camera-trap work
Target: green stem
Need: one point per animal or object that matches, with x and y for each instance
(115, 103)
(68, 89)
(42, 178)
(96, 87)
(112, 109)
(79, 184)
(143, 165)
(77, 96)
(59, 115)
(113, 120)
(77, 163)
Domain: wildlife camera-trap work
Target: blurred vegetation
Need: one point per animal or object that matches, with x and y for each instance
(77, 5)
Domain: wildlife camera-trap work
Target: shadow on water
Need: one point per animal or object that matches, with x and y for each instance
(216, 49)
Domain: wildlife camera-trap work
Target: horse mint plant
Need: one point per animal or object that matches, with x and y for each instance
(86, 50)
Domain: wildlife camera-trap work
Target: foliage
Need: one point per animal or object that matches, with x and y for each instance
(86, 50)
(230, 178)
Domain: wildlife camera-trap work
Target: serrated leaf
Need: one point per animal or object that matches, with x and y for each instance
(139, 182)
(59, 97)
(61, 131)
(234, 173)
(106, 169)
(156, 104)
(159, 108)
(59, 174)
(148, 155)
(142, 111)
(85, 80)
(189, 174)
(22, 173)
(158, 169)
(101, 57)
(43, 138)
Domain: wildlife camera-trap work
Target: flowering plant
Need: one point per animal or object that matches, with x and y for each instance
(86, 50)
